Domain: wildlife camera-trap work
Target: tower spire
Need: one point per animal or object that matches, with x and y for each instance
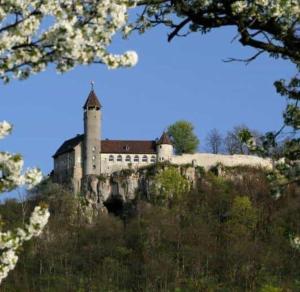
(92, 100)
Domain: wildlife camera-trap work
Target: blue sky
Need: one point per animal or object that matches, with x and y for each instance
(184, 79)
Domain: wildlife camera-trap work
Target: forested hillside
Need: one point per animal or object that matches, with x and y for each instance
(229, 234)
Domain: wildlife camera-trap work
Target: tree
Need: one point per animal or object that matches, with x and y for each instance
(79, 34)
(268, 26)
(214, 141)
(11, 177)
(169, 186)
(233, 143)
(183, 138)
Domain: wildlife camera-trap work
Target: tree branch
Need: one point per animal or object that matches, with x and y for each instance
(177, 29)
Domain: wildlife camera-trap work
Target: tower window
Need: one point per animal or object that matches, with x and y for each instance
(145, 158)
(153, 158)
(119, 158)
(94, 166)
(128, 158)
(111, 158)
(94, 157)
(136, 158)
(94, 148)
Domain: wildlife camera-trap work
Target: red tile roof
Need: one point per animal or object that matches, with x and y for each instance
(164, 139)
(92, 101)
(130, 146)
(112, 146)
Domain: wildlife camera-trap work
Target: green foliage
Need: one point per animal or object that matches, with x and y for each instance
(200, 170)
(227, 235)
(183, 138)
(242, 218)
(270, 288)
(169, 186)
(102, 177)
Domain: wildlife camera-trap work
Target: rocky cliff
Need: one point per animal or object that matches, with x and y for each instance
(113, 191)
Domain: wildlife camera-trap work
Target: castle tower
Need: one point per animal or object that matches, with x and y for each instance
(164, 148)
(92, 135)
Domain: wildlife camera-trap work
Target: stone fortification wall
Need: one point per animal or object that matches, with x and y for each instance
(208, 160)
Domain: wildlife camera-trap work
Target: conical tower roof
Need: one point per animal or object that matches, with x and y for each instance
(92, 101)
(164, 139)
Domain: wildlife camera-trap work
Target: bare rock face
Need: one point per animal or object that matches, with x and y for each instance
(123, 187)
(91, 187)
(113, 192)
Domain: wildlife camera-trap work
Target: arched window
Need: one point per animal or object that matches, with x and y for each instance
(145, 158)
(128, 158)
(111, 158)
(119, 158)
(136, 158)
(153, 158)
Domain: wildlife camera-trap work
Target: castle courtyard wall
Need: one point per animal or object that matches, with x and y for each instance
(207, 160)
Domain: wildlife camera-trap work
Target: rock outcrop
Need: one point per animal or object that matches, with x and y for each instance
(124, 186)
(112, 192)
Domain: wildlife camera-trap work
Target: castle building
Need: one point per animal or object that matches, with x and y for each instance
(88, 154)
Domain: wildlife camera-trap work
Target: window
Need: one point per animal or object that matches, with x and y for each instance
(111, 158)
(94, 166)
(136, 158)
(119, 158)
(94, 148)
(153, 158)
(94, 157)
(126, 148)
(145, 158)
(128, 158)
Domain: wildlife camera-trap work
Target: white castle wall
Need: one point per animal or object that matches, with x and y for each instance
(208, 160)
(108, 167)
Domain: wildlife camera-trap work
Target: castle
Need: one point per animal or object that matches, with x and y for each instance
(87, 154)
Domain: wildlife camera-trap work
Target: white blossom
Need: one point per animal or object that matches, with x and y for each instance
(10, 242)
(79, 32)
(262, 2)
(295, 242)
(239, 6)
(5, 129)
(32, 177)
(11, 176)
